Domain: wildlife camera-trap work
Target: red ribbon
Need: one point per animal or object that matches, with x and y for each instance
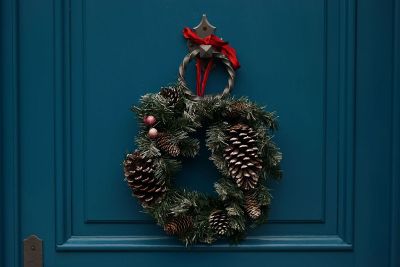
(219, 45)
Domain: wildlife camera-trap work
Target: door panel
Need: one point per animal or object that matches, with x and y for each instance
(78, 67)
(113, 64)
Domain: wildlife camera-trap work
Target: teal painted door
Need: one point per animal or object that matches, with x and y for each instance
(71, 70)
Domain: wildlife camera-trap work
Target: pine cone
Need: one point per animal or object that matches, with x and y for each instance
(171, 94)
(237, 108)
(164, 143)
(242, 156)
(178, 225)
(252, 206)
(218, 221)
(139, 174)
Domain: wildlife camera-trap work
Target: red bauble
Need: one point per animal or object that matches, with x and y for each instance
(149, 120)
(153, 133)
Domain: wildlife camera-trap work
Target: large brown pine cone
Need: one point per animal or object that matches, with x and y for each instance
(139, 174)
(242, 156)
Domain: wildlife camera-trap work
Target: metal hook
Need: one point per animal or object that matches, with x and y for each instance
(203, 29)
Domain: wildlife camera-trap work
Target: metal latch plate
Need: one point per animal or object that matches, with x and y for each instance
(33, 251)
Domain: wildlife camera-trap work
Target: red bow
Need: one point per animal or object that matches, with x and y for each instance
(216, 42)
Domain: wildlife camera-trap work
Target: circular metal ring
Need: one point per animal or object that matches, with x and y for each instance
(224, 60)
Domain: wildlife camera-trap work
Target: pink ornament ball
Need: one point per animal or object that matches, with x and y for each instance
(152, 133)
(149, 120)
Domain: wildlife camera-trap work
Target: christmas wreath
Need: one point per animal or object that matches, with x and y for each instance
(238, 136)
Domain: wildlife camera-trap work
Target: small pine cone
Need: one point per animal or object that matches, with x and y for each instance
(237, 108)
(171, 94)
(178, 225)
(242, 156)
(218, 221)
(252, 206)
(164, 143)
(139, 174)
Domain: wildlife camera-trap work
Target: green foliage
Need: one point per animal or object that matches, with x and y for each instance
(166, 167)
(228, 191)
(180, 121)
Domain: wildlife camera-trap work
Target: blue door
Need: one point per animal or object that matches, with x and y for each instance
(71, 70)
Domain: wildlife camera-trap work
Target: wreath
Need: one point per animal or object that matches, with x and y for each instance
(239, 138)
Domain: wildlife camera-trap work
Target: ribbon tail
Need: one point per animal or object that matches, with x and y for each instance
(206, 74)
(198, 76)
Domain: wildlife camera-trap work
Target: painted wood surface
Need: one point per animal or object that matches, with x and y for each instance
(71, 70)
